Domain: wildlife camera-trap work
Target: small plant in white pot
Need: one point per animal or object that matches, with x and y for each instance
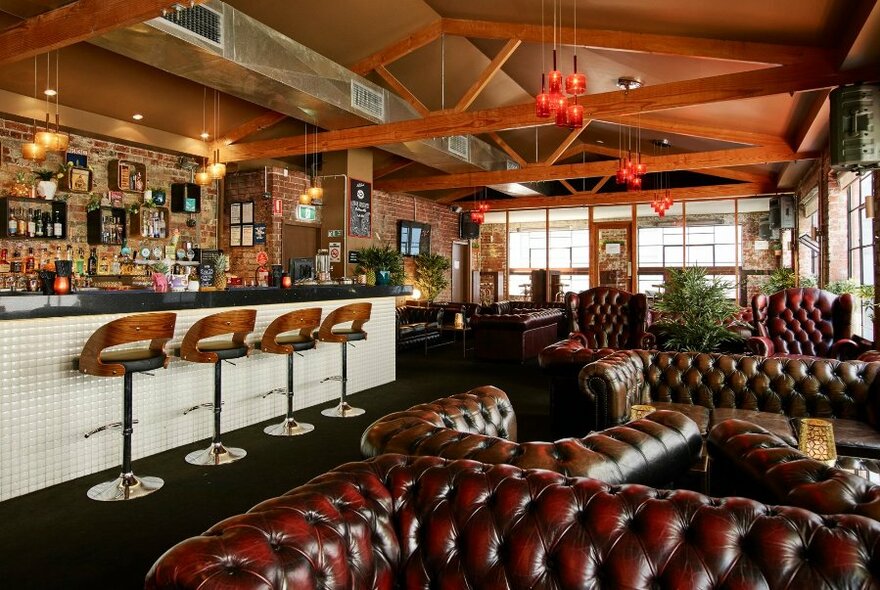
(47, 184)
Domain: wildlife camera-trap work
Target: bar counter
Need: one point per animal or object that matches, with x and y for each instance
(46, 404)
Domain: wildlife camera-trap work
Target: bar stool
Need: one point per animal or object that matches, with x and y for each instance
(358, 314)
(239, 323)
(158, 328)
(288, 334)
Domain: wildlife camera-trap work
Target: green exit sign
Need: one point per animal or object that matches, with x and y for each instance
(306, 213)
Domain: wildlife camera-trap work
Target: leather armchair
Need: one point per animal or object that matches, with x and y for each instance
(425, 522)
(481, 425)
(601, 320)
(809, 322)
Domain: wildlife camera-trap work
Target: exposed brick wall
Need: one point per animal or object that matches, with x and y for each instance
(250, 186)
(162, 169)
(838, 239)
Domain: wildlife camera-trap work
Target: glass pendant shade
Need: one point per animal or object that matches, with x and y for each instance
(33, 151)
(62, 140)
(562, 117)
(576, 82)
(558, 101)
(217, 170)
(554, 78)
(305, 199)
(542, 102)
(45, 139)
(203, 177)
(315, 193)
(575, 116)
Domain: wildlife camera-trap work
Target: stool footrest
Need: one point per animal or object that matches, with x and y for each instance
(332, 378)
(105, 427)
(200, 406)
(274, 391)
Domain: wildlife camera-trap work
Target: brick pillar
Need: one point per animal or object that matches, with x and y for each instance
(838, 237)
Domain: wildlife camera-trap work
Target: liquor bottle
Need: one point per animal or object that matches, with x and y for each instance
(38, 223)
(22, 222)
(115, 266)
(93, 262)
(16, 264)
(12, 226)
(31, 224)
(29, 262)
(80, 261)
(56, 223)
(4, 264)
(48, 228)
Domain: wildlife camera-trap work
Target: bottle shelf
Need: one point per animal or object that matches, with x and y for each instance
(22, 208)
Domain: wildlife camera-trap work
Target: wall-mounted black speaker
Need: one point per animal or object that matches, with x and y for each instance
(467, 229)
(782, 212)
(855, 127)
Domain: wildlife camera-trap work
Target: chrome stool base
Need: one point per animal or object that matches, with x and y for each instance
(289, 427)
(216, 454)
(125, 487)
(343, 410)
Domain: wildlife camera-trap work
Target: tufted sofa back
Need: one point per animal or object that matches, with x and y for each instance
(507, 307)
(803, 321)
(794, 386)
(475, 425)
(403, 522)
(608, 317)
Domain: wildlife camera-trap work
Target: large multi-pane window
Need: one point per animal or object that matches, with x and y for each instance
(861, 242)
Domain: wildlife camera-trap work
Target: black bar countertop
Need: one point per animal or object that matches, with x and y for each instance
(24, 306)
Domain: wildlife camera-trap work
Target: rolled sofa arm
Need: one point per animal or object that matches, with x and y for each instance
(760, 345)
(845, 349)
(612, 384)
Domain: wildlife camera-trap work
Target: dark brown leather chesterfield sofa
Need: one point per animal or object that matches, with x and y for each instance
(601, 320)
(425, 522)
(481, 425)
(516, 331)
(770, 392)
(417, 325)
(808, 321)
(751, 461)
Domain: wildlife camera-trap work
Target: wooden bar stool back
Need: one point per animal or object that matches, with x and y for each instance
(95, 359)
(196, 348)
(357, 314)
(290, 333)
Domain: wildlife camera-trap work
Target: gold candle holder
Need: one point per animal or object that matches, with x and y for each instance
(639, 411)
(816, 440)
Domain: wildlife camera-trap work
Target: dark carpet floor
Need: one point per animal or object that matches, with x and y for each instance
(58, 538)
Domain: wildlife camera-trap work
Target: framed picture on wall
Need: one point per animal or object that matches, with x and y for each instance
(247, 234)
(247, 212)
(235, 214)
(235, 235)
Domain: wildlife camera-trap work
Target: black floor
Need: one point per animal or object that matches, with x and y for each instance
(58, 538)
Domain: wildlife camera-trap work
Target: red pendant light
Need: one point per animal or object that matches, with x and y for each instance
(542, 102)
(575, 116)
(575, 83)
(554, 78)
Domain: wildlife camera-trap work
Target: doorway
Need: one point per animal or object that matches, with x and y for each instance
(611, 254)
(298, 241)
(460, 259)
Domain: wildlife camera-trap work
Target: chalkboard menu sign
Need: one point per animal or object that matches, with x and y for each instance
(359, 195)
(206, 268)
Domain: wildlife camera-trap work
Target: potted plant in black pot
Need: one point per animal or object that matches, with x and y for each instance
(695, 312)
(431, 274)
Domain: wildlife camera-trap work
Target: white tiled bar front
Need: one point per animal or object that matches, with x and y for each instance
(46, 405)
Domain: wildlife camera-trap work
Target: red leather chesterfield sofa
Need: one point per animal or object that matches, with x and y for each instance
(751, 461)
(481, 425)
(808, 321)
(425, 522)
(601, 320)
(515, 335)
(770, 392)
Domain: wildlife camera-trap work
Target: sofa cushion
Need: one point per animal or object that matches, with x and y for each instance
(699, 414)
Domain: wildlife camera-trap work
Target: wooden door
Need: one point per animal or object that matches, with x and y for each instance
(611, 254)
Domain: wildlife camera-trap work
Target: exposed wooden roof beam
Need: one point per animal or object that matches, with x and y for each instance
(507, 149)
(691, 161)
(857, 19)
(456, 195)
(702, 193)
(566, 143)
(247, 128)
(768, 53)
(600, 184)
(695, 130)
(72, 23)
(394, 166)
(486, 76)
(568, 186)
(402, 90)
(398, 49)
(671, 95)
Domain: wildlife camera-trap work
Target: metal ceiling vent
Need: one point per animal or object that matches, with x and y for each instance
(511, 165)
(368, 100)
(199, 20)
(460, 145)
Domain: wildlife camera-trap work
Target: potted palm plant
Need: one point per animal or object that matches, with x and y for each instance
(383, 265)
(430, 276)
(695, 311)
